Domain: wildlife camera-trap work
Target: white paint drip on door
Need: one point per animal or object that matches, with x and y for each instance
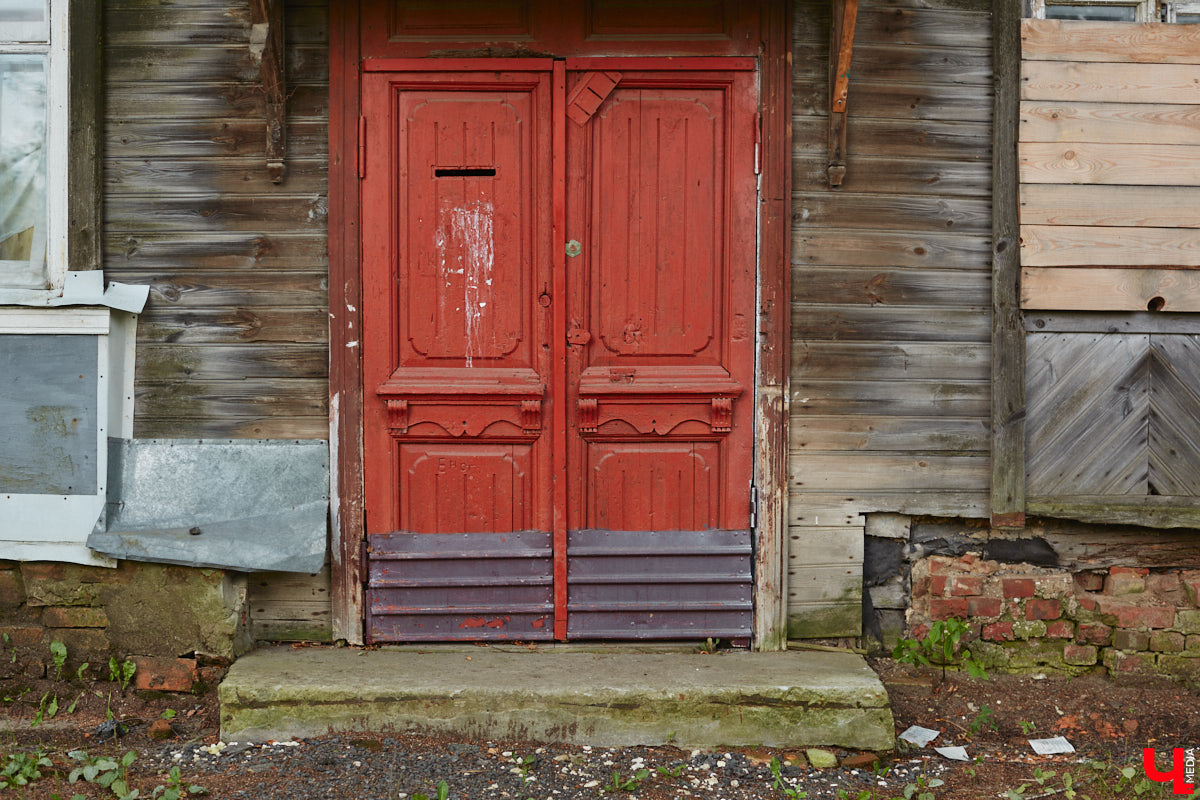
(465, 240)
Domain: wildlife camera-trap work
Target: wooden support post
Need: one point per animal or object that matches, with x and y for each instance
(267, 45)
(1008, 335)
(841, 48)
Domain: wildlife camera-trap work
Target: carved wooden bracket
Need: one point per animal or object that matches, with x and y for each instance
(531, 416)
(267, 48)
(722, 414)
(397, 415)
(589, 414)
(841, 47)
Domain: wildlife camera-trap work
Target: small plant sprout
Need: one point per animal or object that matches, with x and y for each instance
(940, 647)
(523, 765)
(1027, 727)
(782, 785)
(672, 772)
(985, 719)
(121, 673)
(47, 709)
(175, 788)
(630, 784)
(710, 646)
(58, 652)
(921, 789)
(169, 714)
(22, 769)
(441, 793)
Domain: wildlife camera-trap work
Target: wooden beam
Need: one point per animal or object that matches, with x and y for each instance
(1008, 335)
(267, 46)
(1087, 289)
(841, 48)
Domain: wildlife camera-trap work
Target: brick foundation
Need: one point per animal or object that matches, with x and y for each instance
(161, 617)
(1128, 621)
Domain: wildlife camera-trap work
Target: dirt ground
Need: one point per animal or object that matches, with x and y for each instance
(1108, 723)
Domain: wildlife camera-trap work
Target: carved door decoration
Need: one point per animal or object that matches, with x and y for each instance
(559, 266)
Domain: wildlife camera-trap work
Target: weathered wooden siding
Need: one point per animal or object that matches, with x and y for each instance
(891, 291)
(233, 342)
(234, 339)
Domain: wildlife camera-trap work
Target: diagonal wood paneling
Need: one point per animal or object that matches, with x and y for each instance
(1113, 415)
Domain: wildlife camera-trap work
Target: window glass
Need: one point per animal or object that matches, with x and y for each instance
(1109, 12)
(23, 216)
(23, 21)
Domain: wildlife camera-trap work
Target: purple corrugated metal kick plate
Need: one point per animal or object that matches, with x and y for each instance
(659, 584)
(460, 587)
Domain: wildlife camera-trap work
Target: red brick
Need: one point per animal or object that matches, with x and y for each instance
(74, 617)
(12, 588)
(1038, 608)
(22, 635)
(1017, 587)
(1128, 571)
(1089, 581)
(1088, 601)
(1060, 629)
(1126, 639)
(964, 585)
(1163, 583)
(967, 558)
(1128, 663)
(43, 571)
(937, 585)
(921, 631)
(947, 607)
(998, 632)
(984, 606)
(1191, 582)
(1124, 583)
(1093, 633)
(1167, 642)
(1139, 616)
(939, 564)
(920, 588)
(1079, 655)
(165, 674)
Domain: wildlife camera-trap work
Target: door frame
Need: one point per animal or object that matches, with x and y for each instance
(773, 353)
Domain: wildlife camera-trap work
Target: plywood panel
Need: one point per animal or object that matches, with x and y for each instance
(1079, 40)
(1134, 123)
(1084, 289)
(1109, 83)
(1092, 162)
(1137, 206)
(1070, 245)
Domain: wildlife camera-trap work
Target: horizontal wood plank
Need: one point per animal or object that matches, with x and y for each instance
(1109, 164)
(930, 502)
(216, 212)
(836, 246)
(887, 175)
(235, 288)
(1109, 83)
(1111, 123)
(890, 361)
(931, 139)
(156, 138)
(199, 176)
(233, 325)
(865, 433)
(300, 397)
(156, 252)
(281, 587)
(159, 362)
(140, 24)
(227, 427)
(207, 62)
(813, 510)
(915, 100)
(1120, 206)
(918, 27)
(848, 285)
(892, 212)
(887, 324)
(1087, 40)
(130, 102)
(823, 472)
(889, 398)
(1083, 289)
(904, 64)
(1072, 245)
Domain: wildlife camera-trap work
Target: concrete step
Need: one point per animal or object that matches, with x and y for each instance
(608, 697)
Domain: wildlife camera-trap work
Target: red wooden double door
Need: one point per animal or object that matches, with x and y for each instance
(558, 347)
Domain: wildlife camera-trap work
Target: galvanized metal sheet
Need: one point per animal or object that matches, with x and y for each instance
(659, 584)
(460, 586)
(48, 415)
(235, 504)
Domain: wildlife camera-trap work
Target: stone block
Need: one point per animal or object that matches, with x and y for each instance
(947, 607)
(998, 632)
(1016, 588)
(1167, 642)
(1191, 584)
(74, 617)
(12, 588)
(1080, 655)
(1094, 633)
(83, 644)
(1029, 629)
(1055, 585)
(1124, 583)
(966, 585)
(165, 674)
(1121, 663)
(984, 606)
(1192, 643)
(60, 584)
(1039, 608)
(1060, 629)
(25, 635)
(1089, 581)
(1164, 583)
(1180, 666)
(1187, 621)
(1130, 616)
(1125, 639)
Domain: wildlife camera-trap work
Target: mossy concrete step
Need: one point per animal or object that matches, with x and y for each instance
(607, 698)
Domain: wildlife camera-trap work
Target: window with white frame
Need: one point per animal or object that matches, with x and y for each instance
(1117, 10)
(33, 142)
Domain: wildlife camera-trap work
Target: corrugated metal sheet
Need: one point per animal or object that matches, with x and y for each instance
(460, 586)
(659, 584)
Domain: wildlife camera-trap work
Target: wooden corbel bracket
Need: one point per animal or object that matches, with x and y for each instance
(841, 48)
(267, 48)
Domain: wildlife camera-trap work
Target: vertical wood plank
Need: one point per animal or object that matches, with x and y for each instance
(1008, 337)
(85, 168)
(774, 327)
(345, 367)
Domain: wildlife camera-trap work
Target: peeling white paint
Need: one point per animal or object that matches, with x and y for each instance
(352, 344)
(468, 234)
(350, 308)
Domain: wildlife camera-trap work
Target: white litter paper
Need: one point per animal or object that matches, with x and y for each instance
(956, 753)
(919, 736)
(1051, 747)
